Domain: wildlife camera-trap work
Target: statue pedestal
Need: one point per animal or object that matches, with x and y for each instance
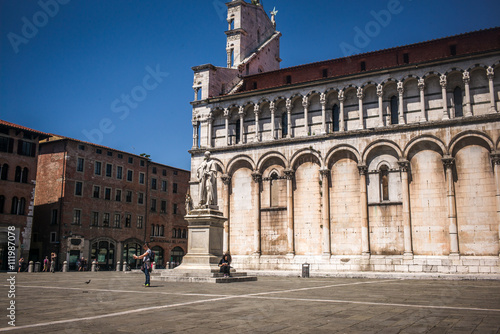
(205, 242)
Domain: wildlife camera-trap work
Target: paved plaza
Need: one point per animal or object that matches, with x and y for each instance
(118, 303)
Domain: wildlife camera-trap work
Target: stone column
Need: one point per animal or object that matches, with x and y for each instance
(305, 104)
(241, 113)
(210, 119)
(272, 108)
(229, 60)
(195, 134)
(257, 179)
(468, 107)
(226, 121)
(421, 88)
(361, 95)
(365, 241)
(380, 94)
(401, 90)
(341, 98)
(256, 112)
(495, 158)
(443, 83)
(325, 219)
(289, 117)
(226, 180)
(452, 209)
(491, 75)
(196, 90)
(290, 174)
(322, 101)
(404, 168)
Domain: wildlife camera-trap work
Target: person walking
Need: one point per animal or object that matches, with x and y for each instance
(53, 259)
(146, 262)
(46, 264)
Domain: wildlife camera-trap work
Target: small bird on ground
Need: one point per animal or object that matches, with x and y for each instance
(88, 281)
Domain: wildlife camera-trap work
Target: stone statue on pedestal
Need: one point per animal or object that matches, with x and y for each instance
(207, 176)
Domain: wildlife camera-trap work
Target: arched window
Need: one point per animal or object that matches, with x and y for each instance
(17, 176)
(22, 205)
(176, 256)
(335, 118)
(198, 131)
(15, 203)
(2, 203)
(104, 253)
(274, 191)
(184, 234)
(237, 131)
(458, 100)
(174, 233)
(384, 183)
(394, 110)
(24, 176)
(284, 125)
(4, 172)
(162, 229)
(157, 230)
(158, 255)
(152, 230)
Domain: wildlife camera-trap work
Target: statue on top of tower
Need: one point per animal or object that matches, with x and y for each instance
(256, 2)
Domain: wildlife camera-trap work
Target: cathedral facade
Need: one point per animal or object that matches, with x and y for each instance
(383, 161)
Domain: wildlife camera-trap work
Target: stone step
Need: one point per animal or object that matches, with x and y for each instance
(207, 279)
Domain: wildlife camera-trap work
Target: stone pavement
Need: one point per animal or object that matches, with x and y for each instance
(118, 303)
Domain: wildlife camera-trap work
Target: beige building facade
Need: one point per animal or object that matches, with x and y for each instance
(385, 161)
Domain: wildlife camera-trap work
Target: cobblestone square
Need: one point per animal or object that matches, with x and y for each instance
(118, 303)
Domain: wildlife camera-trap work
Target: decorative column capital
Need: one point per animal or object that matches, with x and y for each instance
(442, 80)
(322, 99)
(448, 162)
(226, 114)
(495, 158)
(324, 172)
(360, 93)
(404, 165)
(380, 90)
(210, 117)
(256, 109)
(256, 176)
(194, 122)
(226, 179)
(341, 96)
(288, 105)
(490, 73)
(305, 101)
(241, 111)
(289, 174)
(421, 84)
(363, 169)
(400, 87)
(466, 77)
(272, 107)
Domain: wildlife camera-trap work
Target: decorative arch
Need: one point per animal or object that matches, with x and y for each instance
(303, 152)
(431, 74)
(336, 150)
(368, 83)
(261, 164)
(484, 141)
(479, 66)
(379, 143)
(424, 142)
(388, 81)
(238, 162)
(452, 70)
(312, 92)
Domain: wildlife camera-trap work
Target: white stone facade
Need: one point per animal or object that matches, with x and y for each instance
(379, 171)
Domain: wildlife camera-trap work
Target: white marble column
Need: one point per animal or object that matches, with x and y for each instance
(443, 83)
(290, 174)
(365, 241)
(195, 134)
(226, 180)
(227, 115)
(380, 94)
(341, 99)
(421, 88)
(210, 120)
(289, 117)
(272, 108)
(256, 112)
(257, 179)
(404, 169)
(305, 104)
(196, 90)
(495, 158)
(452, 209)
(241, 114)
(361, 95)
(468, 107)
(491, 75)
(325, 214)
(322, 101)
(401, 91)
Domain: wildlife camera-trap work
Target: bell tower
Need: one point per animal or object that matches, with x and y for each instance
(252, 40)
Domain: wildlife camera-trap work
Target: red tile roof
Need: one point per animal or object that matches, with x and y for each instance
(23, 128)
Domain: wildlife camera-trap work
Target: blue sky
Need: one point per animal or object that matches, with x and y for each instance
(68, 69)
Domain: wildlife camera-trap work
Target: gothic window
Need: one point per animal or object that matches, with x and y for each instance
(184, 234)
(384, 183)
(162, 230)
(17, 176)
(24, 175)
(232, 58)
(15, 203)
(363, 66)
(153, 230)
(457, 98)
(174, 233)
(394, 110)
(22, 205)
(336, 117)
(4, 172)
(237, 132)
(274, 191)
(284, 125)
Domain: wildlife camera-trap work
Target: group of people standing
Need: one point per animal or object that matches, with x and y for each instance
(50, 264)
